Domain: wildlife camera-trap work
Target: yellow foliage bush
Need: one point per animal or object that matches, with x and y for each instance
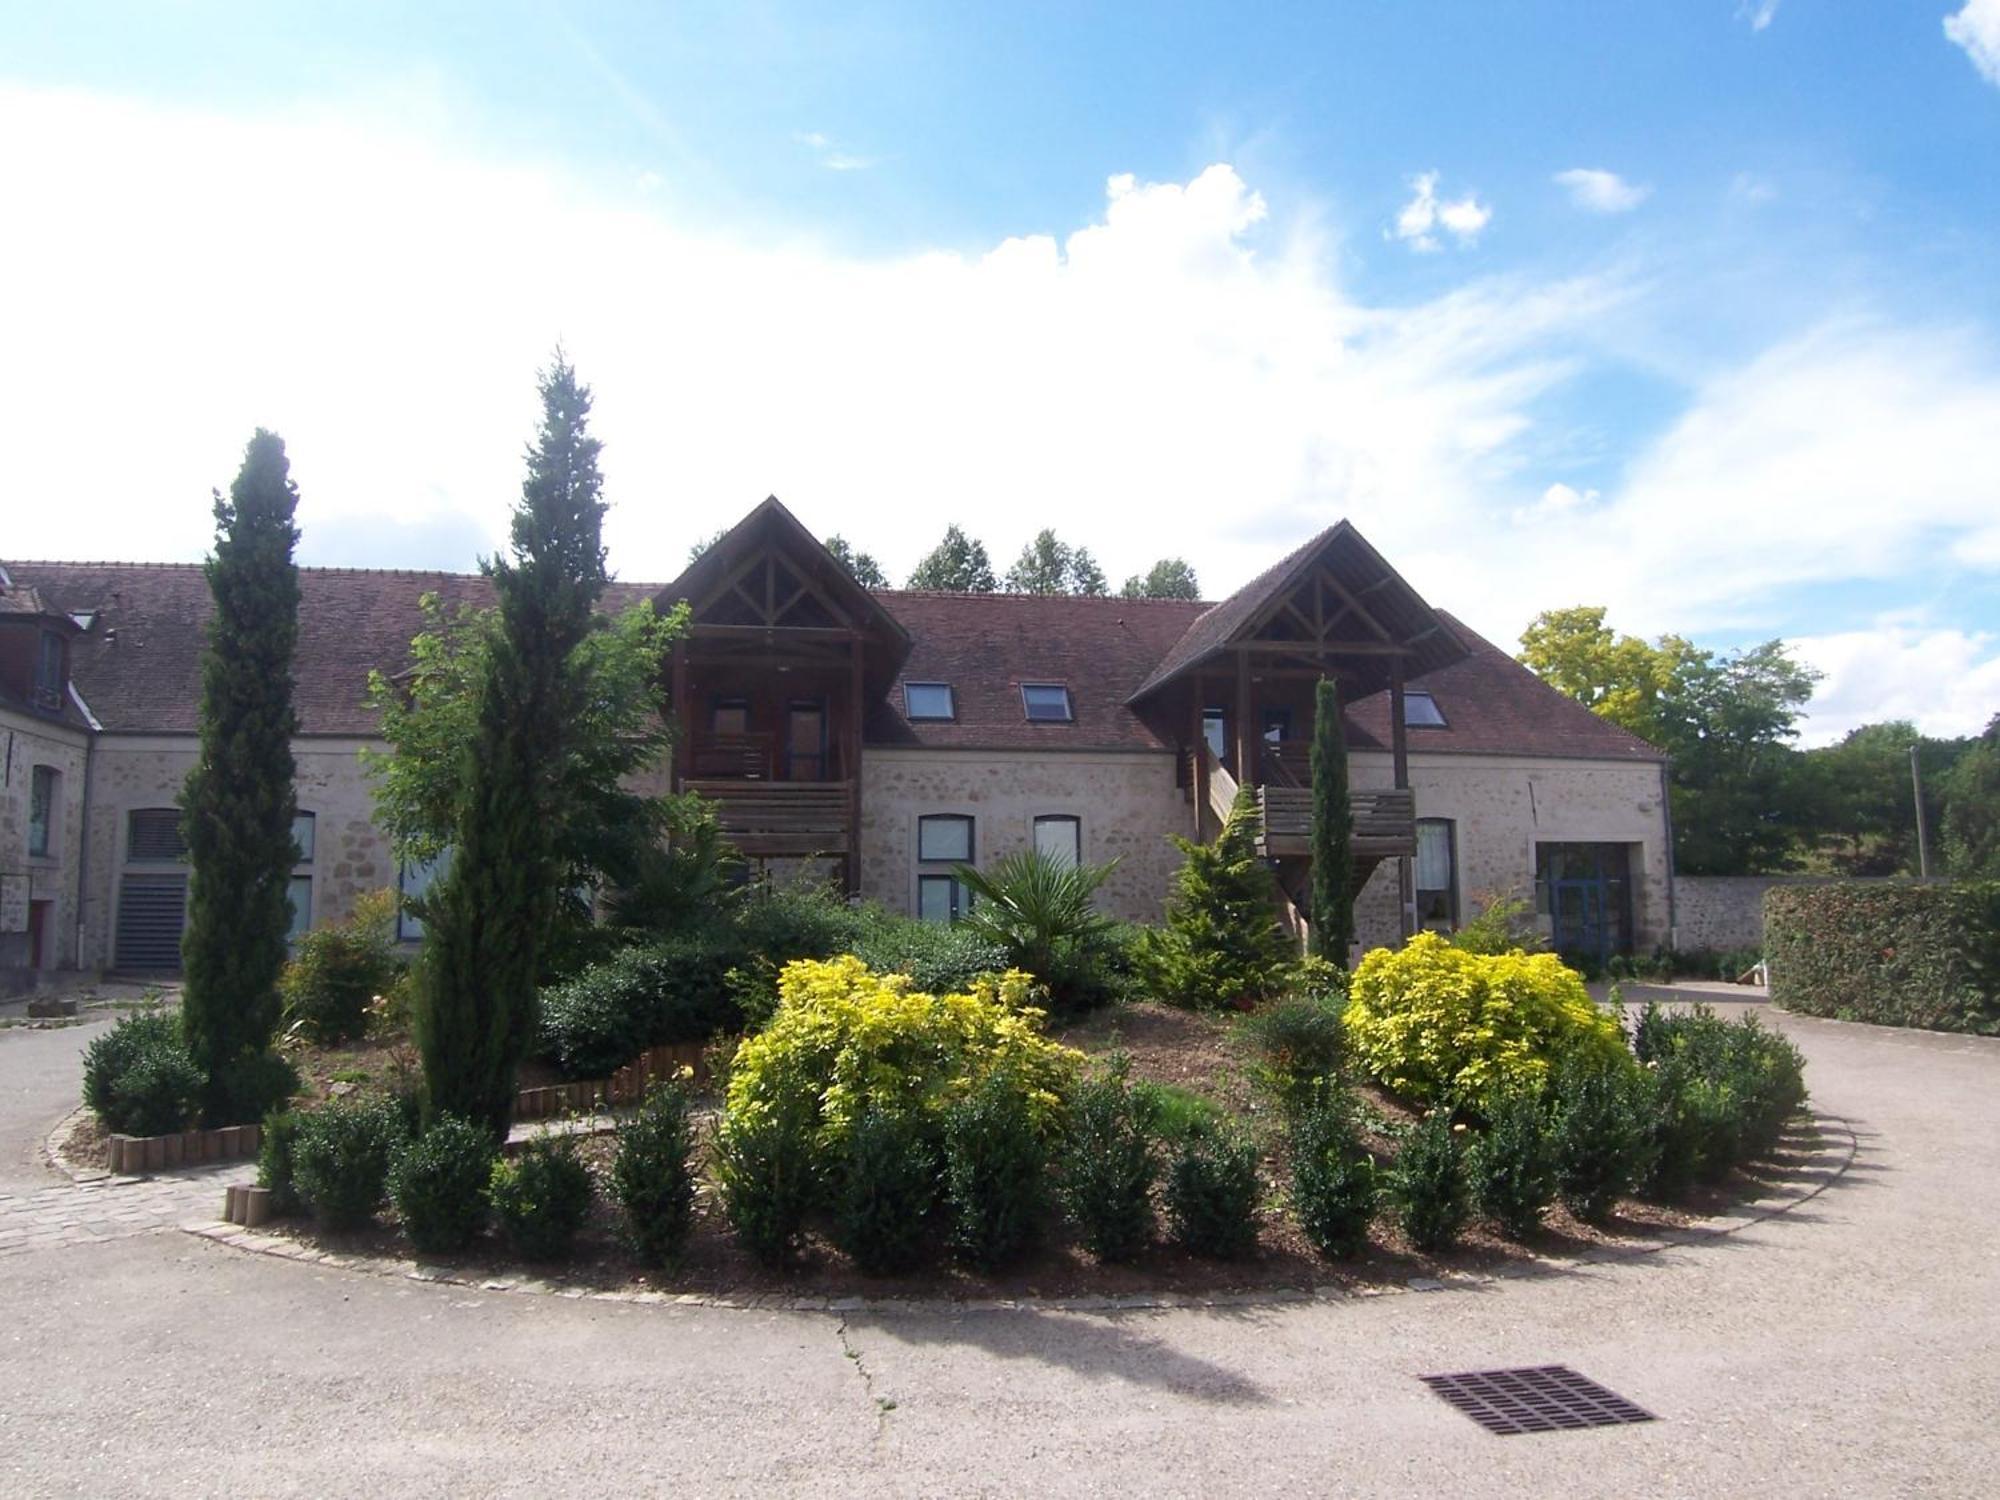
(1435, 1024)
(845, 1039)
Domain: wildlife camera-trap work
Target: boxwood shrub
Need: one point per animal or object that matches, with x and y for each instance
(609, 1012)
(1892, 954)
(138, 1077)
(341, 1155)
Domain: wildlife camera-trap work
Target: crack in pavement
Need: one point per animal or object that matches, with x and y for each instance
(883, 1404)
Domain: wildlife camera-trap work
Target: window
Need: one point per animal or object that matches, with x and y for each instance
(301, 890)
(42, 784)
(928, 700)
(944, 839)
(1046, 702)
(412, 882)
(48, 670)
(1421, 711)
(732, 717)
(153, 836)
(1059, 837)
(1437, 883)
(1277, 725)
(1215, 729)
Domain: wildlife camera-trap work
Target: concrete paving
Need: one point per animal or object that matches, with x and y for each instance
(1850, 1347)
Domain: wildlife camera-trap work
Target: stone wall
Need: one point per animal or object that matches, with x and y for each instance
(351, 855)
(1126, 802)
(1719, 912)
(27, 741)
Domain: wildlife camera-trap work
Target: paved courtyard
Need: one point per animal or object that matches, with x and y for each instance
(1848, 1347)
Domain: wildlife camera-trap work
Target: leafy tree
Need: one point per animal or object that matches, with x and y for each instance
(1048, 565)
(1864, 805)
(603, 831)
(1740, 802)
(238, 804)
(1332, 897)
(1169, 578)
(1221, 943)
(1971, 827)
(696, 549)
(865, 570)
(491, 914)
(956, 565)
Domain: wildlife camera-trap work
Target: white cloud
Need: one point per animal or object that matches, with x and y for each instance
(1947, 682)
(831, 155)
(1759, 13)
(1748, 187)
(1601, 192)
(1184, 358)
(1976, 28)
(1419, 220)
(1556, 500)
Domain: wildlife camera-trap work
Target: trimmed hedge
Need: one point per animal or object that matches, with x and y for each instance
(1894, 955)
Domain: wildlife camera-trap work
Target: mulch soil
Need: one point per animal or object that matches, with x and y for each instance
(1193, 1051)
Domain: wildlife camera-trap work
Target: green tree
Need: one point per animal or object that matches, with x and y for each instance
(956, 565)
(1331, 918)
(239, 804)
(1864, 804)
(864, 569)
(1741, 798)
(1049, 565)
(492, 912)
(1169, 578)
(696, 549)
(1221, 942)
(1971, 824)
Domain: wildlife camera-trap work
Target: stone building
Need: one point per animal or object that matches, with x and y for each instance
(883, 736)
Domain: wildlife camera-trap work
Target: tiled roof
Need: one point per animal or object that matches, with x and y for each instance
(1493, 705)
(139, 666)
(987, 645)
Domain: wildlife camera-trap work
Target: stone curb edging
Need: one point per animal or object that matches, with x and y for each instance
(282, 1248)
(131, 1155)
(626, 1085)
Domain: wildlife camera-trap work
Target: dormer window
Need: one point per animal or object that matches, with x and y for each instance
(1421, 711)
(928, 700)
(49, 671)
(1046, 702)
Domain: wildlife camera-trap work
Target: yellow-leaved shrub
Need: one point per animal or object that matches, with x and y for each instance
(1437, 1025)
(845, 1040)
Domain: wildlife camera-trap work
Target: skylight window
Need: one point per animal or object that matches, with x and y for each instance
(928, 700)
(1421, 711)
(1046, 702)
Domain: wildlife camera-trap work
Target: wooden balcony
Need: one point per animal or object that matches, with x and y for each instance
(766, 819)
(1385, 822)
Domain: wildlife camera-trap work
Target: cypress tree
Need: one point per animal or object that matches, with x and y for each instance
(486, 925)
(1332, 896)
(238, 803)
(1220, 944)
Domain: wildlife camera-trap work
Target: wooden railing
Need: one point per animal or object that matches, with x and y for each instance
(736, 756)
(764, 818)
(1385, 821)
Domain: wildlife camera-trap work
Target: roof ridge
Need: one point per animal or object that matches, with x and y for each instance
(1036, 598)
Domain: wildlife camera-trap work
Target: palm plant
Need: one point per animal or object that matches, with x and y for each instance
(1040, 911)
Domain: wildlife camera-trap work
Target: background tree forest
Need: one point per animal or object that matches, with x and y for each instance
(1746, 799)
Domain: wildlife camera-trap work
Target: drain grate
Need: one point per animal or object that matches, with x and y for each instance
(1547, 1398)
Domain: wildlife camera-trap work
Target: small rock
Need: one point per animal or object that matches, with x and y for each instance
(340, 1090)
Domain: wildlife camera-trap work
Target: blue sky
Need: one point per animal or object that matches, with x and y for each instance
(1685, 308)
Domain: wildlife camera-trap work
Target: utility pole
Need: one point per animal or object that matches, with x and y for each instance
(1923, 838)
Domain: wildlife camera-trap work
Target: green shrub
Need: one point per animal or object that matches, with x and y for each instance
(765, 1165)
(337, 971)
(885, 1185)
(1334, 1184)
(541, 1197)
(340, 1158)
(677, 990)
(1891, 954)
(1039, 911)
(1440, 1026)
(1212, 1193)
(995, 1172)
(1299, 1048)
(1221, 944)
(940, 958)
(1109, 1168)
(1171, 1113)
(1429, 1185)
(1603, 1135)
(1505, 923)
(1723, 1094)
(652, 1179)
(438, 1183)
(276, 1143)
(806, 919)
(250, 1086)
(138, 1077)
(1513, 1165)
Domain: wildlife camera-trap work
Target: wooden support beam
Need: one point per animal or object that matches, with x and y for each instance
(683, 715)
(1246, 734)
(857, 704)
(1399, 741)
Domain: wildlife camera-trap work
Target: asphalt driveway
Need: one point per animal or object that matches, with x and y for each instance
(1848, 1347)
